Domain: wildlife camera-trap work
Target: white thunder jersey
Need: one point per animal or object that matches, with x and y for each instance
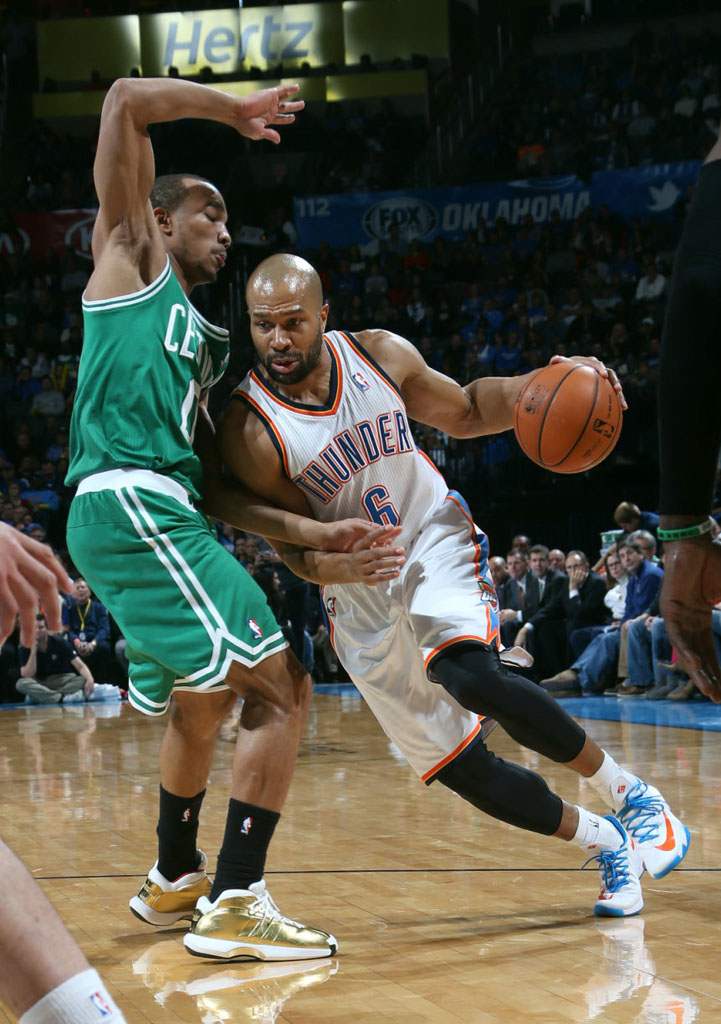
(355, 457)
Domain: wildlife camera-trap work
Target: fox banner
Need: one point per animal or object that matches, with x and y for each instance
(424, 214)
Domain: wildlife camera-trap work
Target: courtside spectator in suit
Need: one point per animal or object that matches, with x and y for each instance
(543, 632)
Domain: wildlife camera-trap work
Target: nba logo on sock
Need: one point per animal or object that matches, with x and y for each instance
(246, 826)
(360, 381)
(100, 1005)
(186, 814)
(255, 629)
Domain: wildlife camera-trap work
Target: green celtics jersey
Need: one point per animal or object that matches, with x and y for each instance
(146, 359)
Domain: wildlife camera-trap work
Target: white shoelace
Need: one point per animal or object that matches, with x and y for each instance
(265, 904)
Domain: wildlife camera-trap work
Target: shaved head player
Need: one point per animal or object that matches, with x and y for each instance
(321, 426)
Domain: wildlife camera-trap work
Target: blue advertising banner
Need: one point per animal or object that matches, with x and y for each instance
(366, 217)
(641, 191)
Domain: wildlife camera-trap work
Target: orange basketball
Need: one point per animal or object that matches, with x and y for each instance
(567, 418)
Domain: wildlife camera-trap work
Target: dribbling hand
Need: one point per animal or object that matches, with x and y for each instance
(691, 587)
(599, 367)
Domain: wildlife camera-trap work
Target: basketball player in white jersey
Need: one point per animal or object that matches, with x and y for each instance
(321, 425)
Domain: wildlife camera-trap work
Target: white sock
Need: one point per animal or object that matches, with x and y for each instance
(595, 833)
(82, 999)
(612, 782)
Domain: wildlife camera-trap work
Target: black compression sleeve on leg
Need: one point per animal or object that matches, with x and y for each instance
(478, 680)
(503, 790)
(690, 368)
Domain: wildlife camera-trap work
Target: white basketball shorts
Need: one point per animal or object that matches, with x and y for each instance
(388, 636)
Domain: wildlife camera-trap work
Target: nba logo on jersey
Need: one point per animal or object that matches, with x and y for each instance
(246, 826)
(330, 605)
(100, 1005)
(255, 629)
(360, 381)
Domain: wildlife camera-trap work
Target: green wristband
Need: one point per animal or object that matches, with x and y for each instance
(686, 532)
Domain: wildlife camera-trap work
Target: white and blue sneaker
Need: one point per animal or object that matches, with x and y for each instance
(620, 871)
(662, 839)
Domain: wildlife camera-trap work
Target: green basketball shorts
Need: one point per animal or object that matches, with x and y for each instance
(186, 607)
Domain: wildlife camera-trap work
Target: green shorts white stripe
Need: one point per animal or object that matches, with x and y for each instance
(154, 561)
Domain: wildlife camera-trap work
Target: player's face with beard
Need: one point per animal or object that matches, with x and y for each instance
(292, 365)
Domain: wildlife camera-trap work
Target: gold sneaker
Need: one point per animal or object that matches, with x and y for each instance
(247, 923)
(162, 903)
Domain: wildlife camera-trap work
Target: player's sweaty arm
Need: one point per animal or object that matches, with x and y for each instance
(485, 406)
(124, 167)
(482, 407)
(230, 498)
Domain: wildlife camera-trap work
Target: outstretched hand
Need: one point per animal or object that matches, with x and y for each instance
(691, 587)
(266, 107)
(28, 570)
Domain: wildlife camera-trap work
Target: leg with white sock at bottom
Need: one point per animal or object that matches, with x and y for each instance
(521, 797)
(478, 680)
(44, 976)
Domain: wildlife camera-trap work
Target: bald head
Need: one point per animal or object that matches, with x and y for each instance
(287, 318)
(284, 277)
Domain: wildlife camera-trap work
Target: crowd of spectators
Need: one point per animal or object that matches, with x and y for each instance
(602, 619)
(373, 146)
(657, 101)
(500, 302)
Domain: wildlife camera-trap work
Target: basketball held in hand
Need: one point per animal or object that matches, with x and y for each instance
(567, 418)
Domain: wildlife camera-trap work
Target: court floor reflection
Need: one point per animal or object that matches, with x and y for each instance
(629, 968)
(238, 992)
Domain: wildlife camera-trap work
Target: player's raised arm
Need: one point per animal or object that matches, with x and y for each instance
(124, 165)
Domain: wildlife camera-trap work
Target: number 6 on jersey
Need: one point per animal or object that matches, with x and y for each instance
(379, 508)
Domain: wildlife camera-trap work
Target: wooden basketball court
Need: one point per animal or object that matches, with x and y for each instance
(442, 915)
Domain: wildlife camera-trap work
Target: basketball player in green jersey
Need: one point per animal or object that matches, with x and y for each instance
(142, 453)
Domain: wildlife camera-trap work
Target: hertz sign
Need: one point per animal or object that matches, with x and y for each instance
(231, 40)
(237, 40)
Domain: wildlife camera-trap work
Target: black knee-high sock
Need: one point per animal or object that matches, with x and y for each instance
(241, 861)
(178, 834)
